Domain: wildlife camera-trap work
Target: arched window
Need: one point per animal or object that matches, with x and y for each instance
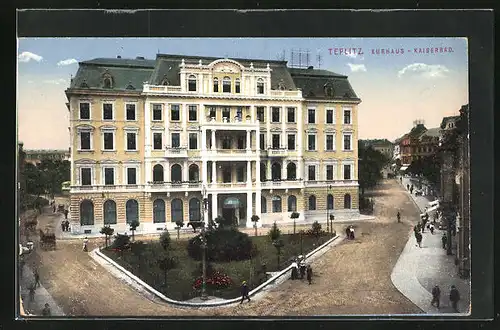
(276, 171)
(237, 86)
(176, 173)
(86, 213)
(109, 209)
(132, 210)
(329, 202)
(216, 85)
(347, 201)
(312, 203)
(177, 211)
(226, 85)
(260, 86)
(194, 209)
(158, 173)
(291, 171)
(192, 83)
(159, 211)
(292, 203)
(262, 172)
(263, 204)
(107, 83)
(194, 173)
(276, 204)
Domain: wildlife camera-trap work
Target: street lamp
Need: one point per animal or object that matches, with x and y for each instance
(328, 210)
(204, 295)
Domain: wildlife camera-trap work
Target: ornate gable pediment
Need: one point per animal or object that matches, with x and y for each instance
(226, 66)
(330, 130)
(85, 161)
(291, 129)
(312, 130)
(175, 127)
(193, 128)
(275, 129)
(157, 127)
(84, 127)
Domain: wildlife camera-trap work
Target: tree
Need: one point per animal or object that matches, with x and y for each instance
(167, 263)
(278, 244)
(316, 230)
(223, 223)
(294, 216)
(107, 231)
(371, 162)
(179, 224)
(274, 233)
(255, 218)
(133, 226)
(165, 240)
(35, 184)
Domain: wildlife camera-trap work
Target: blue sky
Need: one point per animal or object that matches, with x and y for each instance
(395, 89)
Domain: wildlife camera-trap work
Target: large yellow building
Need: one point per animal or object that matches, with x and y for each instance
(154, 140)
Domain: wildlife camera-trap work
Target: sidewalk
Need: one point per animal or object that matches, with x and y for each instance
(419, 269)
(42, 296)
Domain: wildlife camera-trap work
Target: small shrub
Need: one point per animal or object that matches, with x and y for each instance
(274, 233)
(121, 242)
(165, 240)
(217, 281)
(222, 245)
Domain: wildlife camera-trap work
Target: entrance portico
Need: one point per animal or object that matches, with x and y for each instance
(237, 206)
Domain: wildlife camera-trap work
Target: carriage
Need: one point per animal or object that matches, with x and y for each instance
(47, 240)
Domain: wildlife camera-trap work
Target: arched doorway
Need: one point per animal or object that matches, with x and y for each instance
(159, 211)
(194, 210)
(87, 213)
(231, 209)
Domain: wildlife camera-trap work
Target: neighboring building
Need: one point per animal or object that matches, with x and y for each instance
(396, 153)
(420, 142)
(151, 139)
(384, 146)
(35, 156)
(427, 143)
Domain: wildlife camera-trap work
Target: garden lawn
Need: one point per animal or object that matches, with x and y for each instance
(180, 280)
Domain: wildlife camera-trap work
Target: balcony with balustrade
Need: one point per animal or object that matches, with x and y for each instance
(176, 152)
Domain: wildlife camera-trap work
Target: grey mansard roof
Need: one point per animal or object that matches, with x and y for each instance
(130, 74)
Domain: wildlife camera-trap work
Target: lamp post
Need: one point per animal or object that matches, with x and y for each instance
(328, 211)
(204, 295)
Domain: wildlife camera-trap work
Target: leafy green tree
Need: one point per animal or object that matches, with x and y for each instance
(133, 226)
(316, 230)
(107, 231)
(165, 240)
(294, 216)
(274, 233)
(255, 218)
(371, 162)
(178, 225)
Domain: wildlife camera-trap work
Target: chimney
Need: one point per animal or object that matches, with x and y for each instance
(310, 67)
(118, 56)
(139, 58)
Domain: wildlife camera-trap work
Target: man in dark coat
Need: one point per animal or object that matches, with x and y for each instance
(244, 292)
(399, 216)
(436, 295)
(348, 232)
(309, 272)
(37, 277)
(46, 310)
(443, 240)
(454, 298)
(418, 236)
(66, 214)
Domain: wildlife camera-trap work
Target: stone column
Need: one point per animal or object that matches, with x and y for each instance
(214, 171)
(213, 139)
(257, 173)
(184, 118)
(257, 141)
(284, 171)
(268, 170)
(248, 140)
(203, 141)
(258, 195)
(252, 113)
(204, 172)
(268, 121)
(166, 171)
(215, 208)
(249, 209)
(249, 173)
(185, 172)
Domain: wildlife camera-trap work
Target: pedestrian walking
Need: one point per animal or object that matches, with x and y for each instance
(63, 225)
(37, 277)
(302, 267)
(399, 216)
(418, 236)
(309, 272)
(436, 295)
(295, 270)
(443, 240)
(244, 292)
(431, 228)
(66, 214)
(85, 244)
(348, 232)
(401, 179)
(54, 208)
(32, 289)
(454, 298)
(352, 232)
(67, 225)
(46, 310)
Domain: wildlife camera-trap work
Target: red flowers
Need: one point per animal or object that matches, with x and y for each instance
(217, 281)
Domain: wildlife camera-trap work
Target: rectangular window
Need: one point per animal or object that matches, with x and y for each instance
(347, 142)
(212, 112)
(107, 111)
(290, 115)
(260, 114)
(85, 110)
(240, 142)
(329, 142)
(109, 176)
(347, 172)
(131, 175)
(193, 113)
(84, 140)
(311, 116)
(157, 112)
(329, 172)
(216, 85)
(157, 141)
(131, 141)
(347, 117)
(329, 116)
(130, 109)
(311, 142)
(176, 140)
(193, 141)
(86, 174)
(226, 112)
(237, 86)
(291, 141)
(276, 141)
(275, 115)
(311, 173)
(262, 142)
(108, 141)
(175, 113)
(240, 174)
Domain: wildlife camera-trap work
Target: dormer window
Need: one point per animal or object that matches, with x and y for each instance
(260, 86)
(216, 85)
(226, 85)
(281, 85)
(130, 86)
(107, 80)
(237, 86)
(164, 81)
(192, 83)
(328, 89)
(84, 84)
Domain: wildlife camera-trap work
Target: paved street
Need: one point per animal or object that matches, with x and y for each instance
(419, 269)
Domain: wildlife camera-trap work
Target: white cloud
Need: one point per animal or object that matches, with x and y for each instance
(357, 67)
(425, 70)
(69, 61)
(56, 81)
(28, 56)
